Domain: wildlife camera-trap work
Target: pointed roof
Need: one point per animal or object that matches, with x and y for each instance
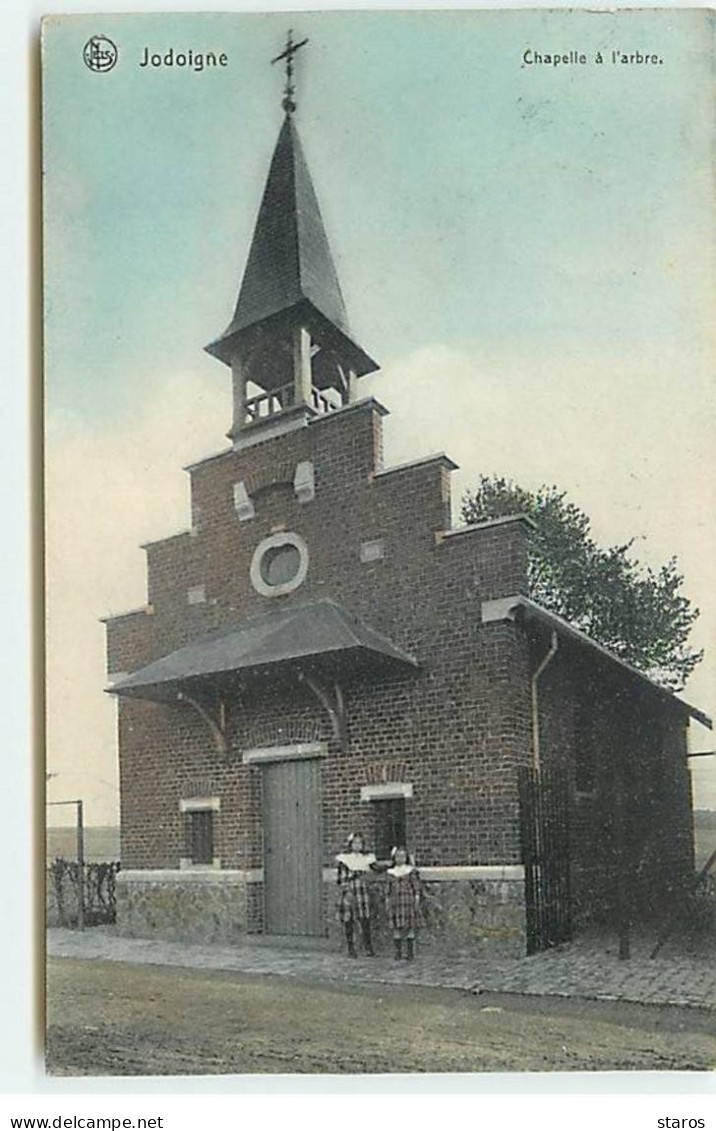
(290, 267)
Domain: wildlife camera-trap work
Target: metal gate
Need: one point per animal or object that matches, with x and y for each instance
(544, 835)
(293, 887)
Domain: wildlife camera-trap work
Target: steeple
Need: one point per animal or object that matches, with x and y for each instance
(289, 335)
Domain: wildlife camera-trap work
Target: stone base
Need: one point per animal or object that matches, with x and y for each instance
(479, 914)
(466, 911)
(198, 906)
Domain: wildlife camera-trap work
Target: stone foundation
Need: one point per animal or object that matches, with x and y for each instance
(468, 910)
(183, 906)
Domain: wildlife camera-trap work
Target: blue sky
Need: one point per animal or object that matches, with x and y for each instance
(474, 199)
(527, 250)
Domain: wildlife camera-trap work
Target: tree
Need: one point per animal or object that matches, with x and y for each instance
(636, 612)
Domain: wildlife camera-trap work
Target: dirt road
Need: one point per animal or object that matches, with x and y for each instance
(109, 1018)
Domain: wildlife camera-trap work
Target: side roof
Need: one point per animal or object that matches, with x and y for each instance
(511, 608)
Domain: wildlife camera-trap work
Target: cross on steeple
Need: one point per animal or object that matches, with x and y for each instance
(289, 336)
(288, 53)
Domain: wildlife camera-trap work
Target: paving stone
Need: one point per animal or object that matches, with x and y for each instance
(588, 968)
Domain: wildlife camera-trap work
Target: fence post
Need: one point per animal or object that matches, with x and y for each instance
(81, 867)
(622, 885)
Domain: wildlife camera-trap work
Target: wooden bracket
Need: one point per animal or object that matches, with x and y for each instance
(332, 701)
(217, 725)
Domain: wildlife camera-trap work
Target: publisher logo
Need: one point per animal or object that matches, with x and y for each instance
(99, 53)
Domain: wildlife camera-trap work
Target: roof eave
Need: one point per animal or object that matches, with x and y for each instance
(227, 344)
(355, 640)
(510, 607)
(166, 690)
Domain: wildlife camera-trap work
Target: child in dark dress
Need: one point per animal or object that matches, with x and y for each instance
(403, 901)
(354, 903)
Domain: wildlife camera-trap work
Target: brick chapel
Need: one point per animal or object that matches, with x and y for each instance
(322, 652)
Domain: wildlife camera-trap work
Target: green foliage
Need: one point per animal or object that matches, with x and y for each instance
(639, 613)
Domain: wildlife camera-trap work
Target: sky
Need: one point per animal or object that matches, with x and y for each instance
(526, 249)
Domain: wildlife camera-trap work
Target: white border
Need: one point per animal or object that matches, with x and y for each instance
(199, 804)
(20, 1069)
(386, 791)
(199, 874)
(271, 543)
(262, 754)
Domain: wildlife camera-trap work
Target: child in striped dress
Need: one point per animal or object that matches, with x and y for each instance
(354, 903)
(403, 901)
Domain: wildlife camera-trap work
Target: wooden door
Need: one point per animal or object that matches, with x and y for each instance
(293, 896)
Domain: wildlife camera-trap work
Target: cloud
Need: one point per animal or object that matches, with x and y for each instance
(611, 431)
(618, 434)
(631, 440)
(110, 488)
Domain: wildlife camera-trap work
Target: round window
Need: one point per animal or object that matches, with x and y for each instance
(279, 564)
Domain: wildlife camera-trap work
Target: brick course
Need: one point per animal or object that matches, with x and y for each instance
(640, 759)
(458, 727)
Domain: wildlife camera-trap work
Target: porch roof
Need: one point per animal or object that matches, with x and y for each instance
(322, 629)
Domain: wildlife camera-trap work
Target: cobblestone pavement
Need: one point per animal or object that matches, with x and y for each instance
(587, 968)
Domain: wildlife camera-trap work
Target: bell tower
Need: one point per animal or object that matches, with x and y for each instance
(289, 346)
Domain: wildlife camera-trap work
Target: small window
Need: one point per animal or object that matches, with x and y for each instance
(200, 848)
(389, 826)
(279, 564)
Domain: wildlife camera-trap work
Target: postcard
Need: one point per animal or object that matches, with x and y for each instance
(380, 479)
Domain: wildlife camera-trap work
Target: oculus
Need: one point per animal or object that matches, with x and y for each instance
(279, 564)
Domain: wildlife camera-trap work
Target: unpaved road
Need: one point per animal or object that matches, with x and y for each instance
(110, 1018)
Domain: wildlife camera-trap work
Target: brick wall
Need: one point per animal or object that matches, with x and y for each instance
(459, 726)
(457, 729)
(639, 753)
